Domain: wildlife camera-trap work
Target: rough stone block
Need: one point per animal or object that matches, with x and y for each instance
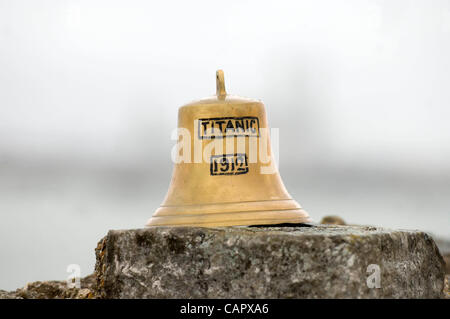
(269, 262)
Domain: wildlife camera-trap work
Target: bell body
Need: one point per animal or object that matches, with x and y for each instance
(227, 176)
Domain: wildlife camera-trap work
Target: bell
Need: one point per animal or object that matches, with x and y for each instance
(224, 173)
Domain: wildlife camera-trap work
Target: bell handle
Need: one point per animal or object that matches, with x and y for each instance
(220, 84)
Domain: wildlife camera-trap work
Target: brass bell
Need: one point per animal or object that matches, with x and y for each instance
(224, 173)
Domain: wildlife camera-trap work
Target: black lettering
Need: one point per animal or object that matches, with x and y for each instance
(240, 125)
(252, 127)
(220, 123)
(205, 126)
(230, 126)
(233, 126)
(229, 164)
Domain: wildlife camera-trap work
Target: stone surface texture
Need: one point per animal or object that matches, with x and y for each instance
(53, 289)
(8, 295)
(319, 261)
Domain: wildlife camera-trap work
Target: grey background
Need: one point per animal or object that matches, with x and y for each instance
(89, 92)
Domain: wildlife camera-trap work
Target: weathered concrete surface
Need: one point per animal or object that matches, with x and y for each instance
(268, 262)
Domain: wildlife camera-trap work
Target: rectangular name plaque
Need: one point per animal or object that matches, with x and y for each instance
(221, 127)
(229, 164)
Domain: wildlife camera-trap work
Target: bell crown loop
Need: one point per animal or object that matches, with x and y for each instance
(221, 97)
(220, 85)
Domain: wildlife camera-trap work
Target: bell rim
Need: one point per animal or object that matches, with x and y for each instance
(236, 218)
(227, 207)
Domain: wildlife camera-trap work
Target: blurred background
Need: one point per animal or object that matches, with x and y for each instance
(89, 93)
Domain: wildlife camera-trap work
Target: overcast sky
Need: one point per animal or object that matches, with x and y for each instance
(345, 81)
